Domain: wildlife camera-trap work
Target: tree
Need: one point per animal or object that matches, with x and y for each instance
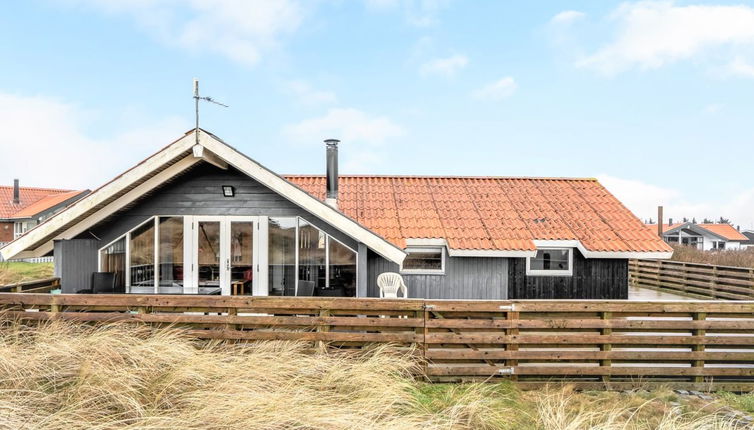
(693, 220)
(685, 220)
(723, 221)
(707, 221)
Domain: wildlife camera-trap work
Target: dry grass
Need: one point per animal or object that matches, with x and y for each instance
(12, 272)
(62, 375)
(737, 258)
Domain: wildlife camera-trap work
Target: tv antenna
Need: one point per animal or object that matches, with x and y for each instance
(196, 102)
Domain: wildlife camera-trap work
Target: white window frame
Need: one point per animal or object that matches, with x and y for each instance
(425, 249)
(539, 272)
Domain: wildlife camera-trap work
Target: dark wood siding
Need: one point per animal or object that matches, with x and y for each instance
(592, 279)
(464, 278)
(75, 261)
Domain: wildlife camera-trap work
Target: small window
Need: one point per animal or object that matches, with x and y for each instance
(718, 245)
(550, 262)
(424, 261)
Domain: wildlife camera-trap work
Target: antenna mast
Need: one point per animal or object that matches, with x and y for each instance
(196, 106)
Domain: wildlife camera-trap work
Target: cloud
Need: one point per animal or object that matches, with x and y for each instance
(309, 96)
(567, 17)
(347, 124)
(713, 108)
(419, 13)
(497, 90)
(643, 198)
(241, 30)
(447, 67)
(740, 67)
(652, 34)
(45, 143)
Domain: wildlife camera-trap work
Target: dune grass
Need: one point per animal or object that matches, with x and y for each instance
(731, 257)
(12, 272)
(119, 376)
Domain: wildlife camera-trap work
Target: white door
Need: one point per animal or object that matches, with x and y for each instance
(227, 255)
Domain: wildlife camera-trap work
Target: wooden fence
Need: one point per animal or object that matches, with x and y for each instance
(592, 344)
(702, 281)
(35, 286)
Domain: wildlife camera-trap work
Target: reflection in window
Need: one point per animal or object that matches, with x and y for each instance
(208, 253)
(311, 260)
(171, 251)
(282, 256)
(342, 270)
(550, 262)
(423, 260)
(113, 260)
(141, 250)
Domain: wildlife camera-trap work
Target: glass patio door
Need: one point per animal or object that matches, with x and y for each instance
(225, 254)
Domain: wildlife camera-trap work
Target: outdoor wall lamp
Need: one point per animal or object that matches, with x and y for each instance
(229, 191)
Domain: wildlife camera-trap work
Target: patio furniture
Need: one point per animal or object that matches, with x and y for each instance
(389, 284)
(305, 288)
(102, 283)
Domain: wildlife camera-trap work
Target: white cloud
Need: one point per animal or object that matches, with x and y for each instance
(447, 67)
(567, 17)
(307, 95)
(652, 34)
(713, 108)
(643, 198)
(740, 67)
(497, 90)
(419, 13)
(347, 124)
(241, 30)
(45, 144)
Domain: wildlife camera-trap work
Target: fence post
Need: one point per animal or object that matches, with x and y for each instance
(512, 316)
(421, 336)
(322, 328)
(605, 347)
(698, 345)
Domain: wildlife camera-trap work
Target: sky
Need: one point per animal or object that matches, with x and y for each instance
(653, 98)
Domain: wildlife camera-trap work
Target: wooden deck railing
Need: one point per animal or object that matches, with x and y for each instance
(36, 286)
(702, 281)
(592, 344)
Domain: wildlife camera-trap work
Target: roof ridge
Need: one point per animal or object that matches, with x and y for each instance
(539, 178)
(61, 190)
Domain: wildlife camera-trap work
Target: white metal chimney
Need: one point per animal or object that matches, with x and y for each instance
(332, 172)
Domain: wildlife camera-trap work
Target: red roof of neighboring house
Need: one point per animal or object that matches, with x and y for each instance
(725, 230)
(45, 203)
(489, 213)
(28, 196)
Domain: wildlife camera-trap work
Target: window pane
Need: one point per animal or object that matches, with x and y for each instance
(342, 270)
(171, 252)
(282, 256)
(113, 259)
(208, 252)
(550, 259)
(141, 249)
(427, 260)
(241, 257)
(311, 259)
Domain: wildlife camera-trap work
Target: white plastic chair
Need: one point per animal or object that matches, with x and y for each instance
(389, 284)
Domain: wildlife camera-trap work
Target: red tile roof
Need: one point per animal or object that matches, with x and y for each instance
(725, 230)
(45, 203)
(489, 213)
(29, 196)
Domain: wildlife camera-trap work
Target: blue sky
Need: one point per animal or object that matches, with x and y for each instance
(655, 99)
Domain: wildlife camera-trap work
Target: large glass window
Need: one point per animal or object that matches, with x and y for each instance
(550, 262)
(341, 269)
(141, 253)
(282, 256)
(311, 260)
(113, 259)
(241, 257)
(208, 253)
(171, 251)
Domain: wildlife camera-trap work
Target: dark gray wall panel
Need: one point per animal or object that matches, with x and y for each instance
(75, 261)
(592, 279)
(198, 192)
(464, 278)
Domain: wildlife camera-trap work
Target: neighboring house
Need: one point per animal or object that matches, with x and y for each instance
(203, 218)
(22, 208)
(706, 237)
(749, 243)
